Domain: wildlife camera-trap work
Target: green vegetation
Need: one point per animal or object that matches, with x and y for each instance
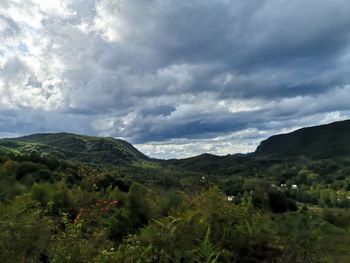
(79, 148)
(70, 198)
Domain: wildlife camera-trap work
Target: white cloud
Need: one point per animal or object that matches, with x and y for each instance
(178, 78)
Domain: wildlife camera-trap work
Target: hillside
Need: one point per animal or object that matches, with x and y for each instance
(324, 141)
(213, 164)
(99, 150)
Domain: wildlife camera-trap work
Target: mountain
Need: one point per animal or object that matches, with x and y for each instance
(91, 149)
(324, 141)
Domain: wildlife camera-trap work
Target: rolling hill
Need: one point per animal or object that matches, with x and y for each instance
(91, 149)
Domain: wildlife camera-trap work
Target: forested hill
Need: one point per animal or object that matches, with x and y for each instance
(99, 150)
(324, 141)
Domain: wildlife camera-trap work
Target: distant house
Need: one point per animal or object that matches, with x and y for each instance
(230, 198)
(294, 186)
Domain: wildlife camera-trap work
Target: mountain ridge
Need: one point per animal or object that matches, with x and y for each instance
(321, 141)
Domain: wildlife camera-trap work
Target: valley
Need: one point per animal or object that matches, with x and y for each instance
(74, 198)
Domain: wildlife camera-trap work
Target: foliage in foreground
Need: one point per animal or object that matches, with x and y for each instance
(55, 211)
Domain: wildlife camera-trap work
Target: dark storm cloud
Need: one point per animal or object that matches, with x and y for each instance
(166, 71)
(251, 40)
(27, 121)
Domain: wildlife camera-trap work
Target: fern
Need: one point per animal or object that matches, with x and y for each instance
(206, 251)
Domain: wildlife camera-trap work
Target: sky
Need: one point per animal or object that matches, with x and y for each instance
(175, 78)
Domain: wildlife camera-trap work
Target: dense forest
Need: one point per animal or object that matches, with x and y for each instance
(72, 198)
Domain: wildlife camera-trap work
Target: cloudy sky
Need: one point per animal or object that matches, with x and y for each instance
(175, 78)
